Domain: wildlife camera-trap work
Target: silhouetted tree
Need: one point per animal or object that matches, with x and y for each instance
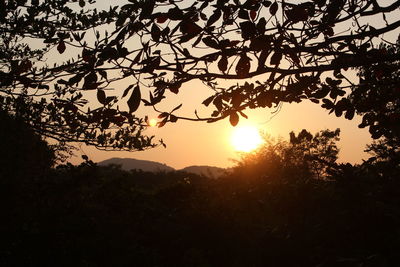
(104, 216)
(385, 157)
(304, 156)
(32, 90)
(291, 51)
(316, 153)
(377, 99)
(377, 96)
(24, 154)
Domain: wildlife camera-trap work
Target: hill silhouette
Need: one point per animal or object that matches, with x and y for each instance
(128, 164)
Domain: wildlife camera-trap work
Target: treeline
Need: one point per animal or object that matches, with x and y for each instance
(287, 204)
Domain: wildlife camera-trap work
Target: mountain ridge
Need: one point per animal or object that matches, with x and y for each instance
(128, 164)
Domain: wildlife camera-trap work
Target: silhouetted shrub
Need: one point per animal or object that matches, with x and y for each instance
(304, 156)
(23, 152)
(261, 214)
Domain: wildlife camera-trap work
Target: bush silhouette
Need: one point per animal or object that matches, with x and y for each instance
(266, 212)
(24, 153)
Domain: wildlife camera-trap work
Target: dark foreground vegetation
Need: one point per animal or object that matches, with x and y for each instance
(288, 204)
(273, 209)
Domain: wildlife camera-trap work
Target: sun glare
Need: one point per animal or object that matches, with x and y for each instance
(246, 138)
(152, 122)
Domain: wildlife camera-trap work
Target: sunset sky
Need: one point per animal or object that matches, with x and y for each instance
(201, 143)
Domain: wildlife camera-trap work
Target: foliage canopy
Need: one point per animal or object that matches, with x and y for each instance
(91, 215)
(282, 51)
(304, 155)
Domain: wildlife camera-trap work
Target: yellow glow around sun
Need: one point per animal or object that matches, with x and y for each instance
(153, 122)
(246, 138)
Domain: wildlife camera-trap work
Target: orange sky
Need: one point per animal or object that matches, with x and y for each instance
(201, 143)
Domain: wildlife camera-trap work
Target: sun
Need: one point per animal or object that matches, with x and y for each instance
(246, 138)
(153, 122)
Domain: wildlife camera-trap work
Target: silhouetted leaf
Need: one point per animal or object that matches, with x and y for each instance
(215, 113)
(248, 29)
(174, 87)
(214, 17)
(189, 27)
(155, 33)
(203, 16)
(276, 58)
(218, 102)
(209, 41)
(147, 9)
(297, 13)
(350, 113)
(234, 119)
(341, 106)
(243, 115)
(253, 14)
(261, 25)
(323, 92)
(273, 8)
(320, 3)
(86, 55)
(262, 59)
(208, 101)
(329, 31)
(103, 74)
(243, 14)
(223, 63)
(101, 96)
(163, 122)
(338, 112)
(173, 118)
(163, 115)
(266, 3)
(134, 100)
(237, 99)
(175, 14)
(137, 58)
(109, 99)
(109, 53)
(90, 81)
(328, 104)
(162, 18)
(260, 43)
(243, 66)
(176, 108)
(294, 57)
(61, 47)
(126, 91)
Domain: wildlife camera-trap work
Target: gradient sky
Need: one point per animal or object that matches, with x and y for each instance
(201, 143)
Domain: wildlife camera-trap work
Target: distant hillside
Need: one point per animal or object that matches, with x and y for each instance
(209, 171)
(131, 164)
(128, 164)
